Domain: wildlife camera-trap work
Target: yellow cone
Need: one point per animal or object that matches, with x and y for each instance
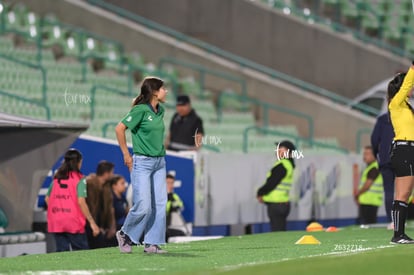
(308, 239)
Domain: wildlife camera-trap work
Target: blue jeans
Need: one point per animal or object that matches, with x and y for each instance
(149, 200)
(66, 241)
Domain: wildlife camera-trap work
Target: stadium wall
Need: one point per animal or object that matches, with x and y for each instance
(217, 200)
(313, 53)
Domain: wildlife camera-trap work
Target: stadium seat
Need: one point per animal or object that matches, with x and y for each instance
(65, 78)
(408, 41)
(53, 33)
(189, 86)
(387, 21)
(350, 14)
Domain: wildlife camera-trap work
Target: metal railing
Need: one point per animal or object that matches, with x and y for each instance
(360, 133)
(166, 77)
(265, 111)
(106, 88)
(129, 68)
(113, 124)
(203, 71)
(294, 138)
(30, 101)
(340, 28)
(81, 34)
(106, 126)
(31, 66)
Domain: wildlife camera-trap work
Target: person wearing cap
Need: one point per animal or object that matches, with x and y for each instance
(275, 191)
(186, 127)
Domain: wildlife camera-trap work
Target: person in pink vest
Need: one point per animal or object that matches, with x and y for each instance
(67, 210)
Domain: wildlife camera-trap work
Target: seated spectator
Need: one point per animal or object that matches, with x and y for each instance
(186, 127)
(100, 204)
(174, 207)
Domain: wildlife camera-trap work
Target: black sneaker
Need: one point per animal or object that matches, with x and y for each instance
(403, 239)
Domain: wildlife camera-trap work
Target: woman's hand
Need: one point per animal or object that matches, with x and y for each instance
(95, 229)
(128, 161)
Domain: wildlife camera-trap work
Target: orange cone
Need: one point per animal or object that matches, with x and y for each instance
(314, 226)
(331, 229)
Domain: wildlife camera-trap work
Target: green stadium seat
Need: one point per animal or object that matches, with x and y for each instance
(66, 75)
(112, 55)
(331, 8)
(5, 44)
(392, 30)
(280, 4)
(350, 13)
(370, 24)
(233, 103)
(408, 41)
(53, 34)
(77, 44)
(241, 117)
(135, 58)
(287, 129)
(189, 86)
(14, 18)
(171, 71)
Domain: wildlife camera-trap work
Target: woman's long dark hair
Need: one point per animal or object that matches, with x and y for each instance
(148, 87)
(394, 85)
(70, 164)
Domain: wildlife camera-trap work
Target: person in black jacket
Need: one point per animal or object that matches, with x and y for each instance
(381, 140)
(275, 192)
(186, 128)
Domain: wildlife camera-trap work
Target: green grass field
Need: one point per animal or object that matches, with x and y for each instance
(349, 251)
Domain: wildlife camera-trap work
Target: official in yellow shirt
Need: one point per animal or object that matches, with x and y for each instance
(402, 153)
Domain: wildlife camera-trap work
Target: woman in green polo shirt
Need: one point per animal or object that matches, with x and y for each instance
(147, 166)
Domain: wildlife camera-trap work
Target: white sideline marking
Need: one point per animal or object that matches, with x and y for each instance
(75, 272)
(334, 253)
(186, 239)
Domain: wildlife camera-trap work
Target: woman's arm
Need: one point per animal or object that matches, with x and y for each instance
(120, 136)
(85, 210)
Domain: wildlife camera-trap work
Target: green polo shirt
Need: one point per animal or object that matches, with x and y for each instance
(147, 129)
